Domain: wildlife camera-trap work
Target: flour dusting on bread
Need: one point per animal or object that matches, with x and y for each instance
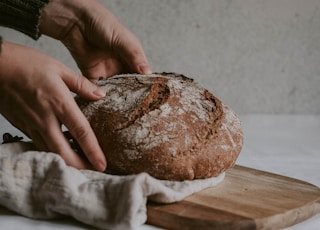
(165, 124)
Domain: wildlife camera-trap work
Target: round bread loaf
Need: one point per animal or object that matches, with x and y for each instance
(163, 124)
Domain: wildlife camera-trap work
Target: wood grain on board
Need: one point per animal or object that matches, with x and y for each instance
(246, 199)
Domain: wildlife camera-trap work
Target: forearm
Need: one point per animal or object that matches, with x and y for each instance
(22, 15)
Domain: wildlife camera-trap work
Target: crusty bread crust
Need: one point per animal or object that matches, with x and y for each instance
(164, 124)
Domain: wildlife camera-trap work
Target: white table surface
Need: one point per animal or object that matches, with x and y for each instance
(284, 144)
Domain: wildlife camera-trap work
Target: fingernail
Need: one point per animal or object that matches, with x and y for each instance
(100, 166)
(99, 92)
(144, 69)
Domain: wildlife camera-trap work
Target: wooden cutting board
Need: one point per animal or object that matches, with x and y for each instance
(246, 199)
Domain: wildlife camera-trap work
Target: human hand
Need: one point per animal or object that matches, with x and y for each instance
(99, 43)
(35, 97)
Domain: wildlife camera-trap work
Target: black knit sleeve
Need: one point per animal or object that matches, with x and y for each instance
(22, 15)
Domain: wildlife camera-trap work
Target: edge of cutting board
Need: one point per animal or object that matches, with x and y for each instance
(246, 199)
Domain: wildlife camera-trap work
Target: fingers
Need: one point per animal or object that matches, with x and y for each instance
(80, 129)
(112, 36)
(105, 68)
(131, 52)
(36, 99)
(41, 125)
(71, 116)
(53, 140)
(62, 109)
(82, 86)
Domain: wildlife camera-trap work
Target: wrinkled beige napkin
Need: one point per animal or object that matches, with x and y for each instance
(40, 185)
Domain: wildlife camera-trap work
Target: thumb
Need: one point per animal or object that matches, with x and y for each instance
(82, 86)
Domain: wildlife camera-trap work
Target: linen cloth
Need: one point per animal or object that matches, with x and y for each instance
(40, 185)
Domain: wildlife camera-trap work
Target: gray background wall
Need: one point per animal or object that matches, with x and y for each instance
(258, 56)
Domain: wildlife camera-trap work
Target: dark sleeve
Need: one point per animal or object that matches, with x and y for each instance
(22, 15)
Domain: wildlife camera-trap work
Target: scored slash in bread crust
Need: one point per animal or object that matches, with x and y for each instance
(164, 124)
